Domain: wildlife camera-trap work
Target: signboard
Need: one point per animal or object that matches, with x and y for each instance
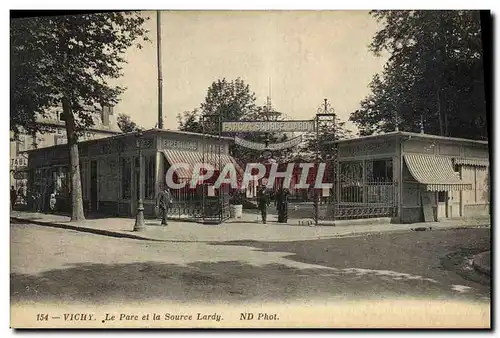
(325, 192)
(261, 146)
(60, 140)
(268, 126)
(211, 191)
(180, 145)
(427, 208)
(19, 161)
(20, 175)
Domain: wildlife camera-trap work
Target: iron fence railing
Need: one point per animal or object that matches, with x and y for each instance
(357, 199)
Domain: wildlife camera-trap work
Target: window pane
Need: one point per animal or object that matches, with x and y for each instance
(379, 170)
(351, 189)
(150, 176)
(126, 172)
(389, 170)
(442, 196)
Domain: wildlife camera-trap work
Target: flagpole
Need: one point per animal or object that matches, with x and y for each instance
(160, 79)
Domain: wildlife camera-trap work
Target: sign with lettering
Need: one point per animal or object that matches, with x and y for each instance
(180, 145)
(18, 162)
(275, 146)
(20, 175)
(214, 148)
(268, 126)
(60, 140)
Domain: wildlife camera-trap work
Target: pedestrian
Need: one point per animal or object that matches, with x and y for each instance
(52, 202)
(21, 192)
(263, 202)
(35, 200)
(164, 203)
(279, 204)
(13, 196)
(284, 205)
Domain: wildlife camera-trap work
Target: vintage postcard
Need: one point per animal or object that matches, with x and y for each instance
(250, 169)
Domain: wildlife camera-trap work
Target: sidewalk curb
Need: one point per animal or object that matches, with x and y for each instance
(121, 234)
(481, 263)
(82, 229)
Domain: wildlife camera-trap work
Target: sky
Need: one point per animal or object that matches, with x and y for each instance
(298, 57)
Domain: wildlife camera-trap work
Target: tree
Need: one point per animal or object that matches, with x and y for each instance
(434, 73)
(126, 124)
(67, 61)
(231, 101)
(262, 113)
(329, 131)
(190, 121)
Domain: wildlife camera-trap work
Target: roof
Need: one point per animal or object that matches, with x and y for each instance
(124, 135)
(409, 134)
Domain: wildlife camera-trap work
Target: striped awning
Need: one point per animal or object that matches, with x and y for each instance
(435, 172)
(476, 162)
(192, 158)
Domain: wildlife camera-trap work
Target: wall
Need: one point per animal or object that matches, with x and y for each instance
(475, 202)
(366, 149)
(56, 136)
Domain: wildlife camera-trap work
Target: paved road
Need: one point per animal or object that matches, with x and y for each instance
(50, 264)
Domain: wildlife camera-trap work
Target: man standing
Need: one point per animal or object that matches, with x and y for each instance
(164, 202)
(284, 205)
(279, 204)
(263, 202)
(21, 192)
(13, 196)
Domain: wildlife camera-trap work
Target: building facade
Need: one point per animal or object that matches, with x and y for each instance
(412, 177)
(105, 125)
(110, 171)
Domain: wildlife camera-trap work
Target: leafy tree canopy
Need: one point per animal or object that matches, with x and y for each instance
(68, 61)
(434, 72)
(126, 124)
(71, 57)
(230, 100)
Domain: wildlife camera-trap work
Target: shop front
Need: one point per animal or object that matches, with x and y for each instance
(111, 171)
(412, 177)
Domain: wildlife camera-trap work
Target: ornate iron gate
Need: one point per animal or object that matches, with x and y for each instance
(214, 200)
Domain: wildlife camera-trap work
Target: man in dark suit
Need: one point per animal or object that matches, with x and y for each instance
(263, 202)
(164, 202)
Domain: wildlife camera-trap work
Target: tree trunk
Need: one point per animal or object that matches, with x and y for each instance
(74, 164)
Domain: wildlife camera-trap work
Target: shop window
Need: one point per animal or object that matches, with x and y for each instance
(126, 172)
(379, 170)
(351, 182)
(441, 196)
(149, 176)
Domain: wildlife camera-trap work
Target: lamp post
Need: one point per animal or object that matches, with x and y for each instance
(139, 218)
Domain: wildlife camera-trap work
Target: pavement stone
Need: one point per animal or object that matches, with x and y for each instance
(245, 229)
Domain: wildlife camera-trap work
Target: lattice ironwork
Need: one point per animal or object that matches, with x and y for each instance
(214, 202)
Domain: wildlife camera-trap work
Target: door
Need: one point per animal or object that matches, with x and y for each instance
(93, 186)
(442, 210)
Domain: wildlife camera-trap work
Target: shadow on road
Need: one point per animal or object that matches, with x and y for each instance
(225, 281)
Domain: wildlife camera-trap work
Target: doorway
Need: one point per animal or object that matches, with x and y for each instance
(442, 203)
(93, 186)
